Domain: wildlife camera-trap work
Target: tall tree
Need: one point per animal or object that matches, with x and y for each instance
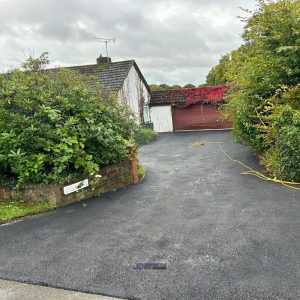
(189, 86)
(217, 75)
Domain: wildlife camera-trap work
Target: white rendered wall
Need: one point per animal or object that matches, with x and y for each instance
(161, 116)
(135, 94)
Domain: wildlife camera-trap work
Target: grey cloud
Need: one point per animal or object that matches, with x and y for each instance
(174, 41)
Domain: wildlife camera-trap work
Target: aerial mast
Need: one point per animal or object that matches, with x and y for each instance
(106, 41)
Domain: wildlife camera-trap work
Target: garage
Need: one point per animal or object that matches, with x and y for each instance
(199, 117)
(188, 109)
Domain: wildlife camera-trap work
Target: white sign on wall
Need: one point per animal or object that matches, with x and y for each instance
(76, 186)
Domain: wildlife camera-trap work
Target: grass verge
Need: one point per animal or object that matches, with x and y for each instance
(11, 209)
(141, 172)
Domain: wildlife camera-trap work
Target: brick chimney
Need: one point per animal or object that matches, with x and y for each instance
(103, 60)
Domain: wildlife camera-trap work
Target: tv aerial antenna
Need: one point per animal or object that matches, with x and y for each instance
(106, 41)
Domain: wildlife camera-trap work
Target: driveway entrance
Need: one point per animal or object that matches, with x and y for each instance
(220, 235)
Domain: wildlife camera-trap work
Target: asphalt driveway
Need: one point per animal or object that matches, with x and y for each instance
(222, 235)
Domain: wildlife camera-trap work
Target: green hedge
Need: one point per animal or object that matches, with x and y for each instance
(283, 158)
(53, 127)
(264, 81)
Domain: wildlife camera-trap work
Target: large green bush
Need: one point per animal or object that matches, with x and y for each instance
(283, 157)
(264, 76)
(54, 127)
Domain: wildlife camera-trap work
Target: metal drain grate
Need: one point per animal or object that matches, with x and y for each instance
(150, 266)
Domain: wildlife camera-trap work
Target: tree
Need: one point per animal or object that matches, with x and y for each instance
(155, 87)
(217, 75)
(189, 86)
(163, 86)
(175, 87)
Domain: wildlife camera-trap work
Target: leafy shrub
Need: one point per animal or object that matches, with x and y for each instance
(283, 158)
(54, 127)
(265, 92)
(144, 135)
(217, 75)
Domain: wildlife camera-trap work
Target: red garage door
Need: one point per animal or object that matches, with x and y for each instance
(206, 116)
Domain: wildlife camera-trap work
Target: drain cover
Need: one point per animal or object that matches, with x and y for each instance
(150, 266)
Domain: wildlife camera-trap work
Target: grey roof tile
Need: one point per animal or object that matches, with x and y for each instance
(164, 97)
(110, 75)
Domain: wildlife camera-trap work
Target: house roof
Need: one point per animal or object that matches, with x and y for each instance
(189, 96)
(111, 74)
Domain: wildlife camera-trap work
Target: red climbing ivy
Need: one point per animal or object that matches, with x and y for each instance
(206, 94)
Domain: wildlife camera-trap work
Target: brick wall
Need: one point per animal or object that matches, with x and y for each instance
(112, 178)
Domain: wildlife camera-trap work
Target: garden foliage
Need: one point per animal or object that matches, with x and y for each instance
(264, 76)
(217, 75)
(53, 127)
(144, 135)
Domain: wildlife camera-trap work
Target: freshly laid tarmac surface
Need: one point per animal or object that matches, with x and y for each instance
(207, 231)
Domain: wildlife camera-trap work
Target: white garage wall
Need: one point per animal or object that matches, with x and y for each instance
(161, 116)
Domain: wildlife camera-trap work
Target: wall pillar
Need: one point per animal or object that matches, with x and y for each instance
(135, 172)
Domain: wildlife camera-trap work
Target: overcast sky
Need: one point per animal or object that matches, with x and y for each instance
(172, 41)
